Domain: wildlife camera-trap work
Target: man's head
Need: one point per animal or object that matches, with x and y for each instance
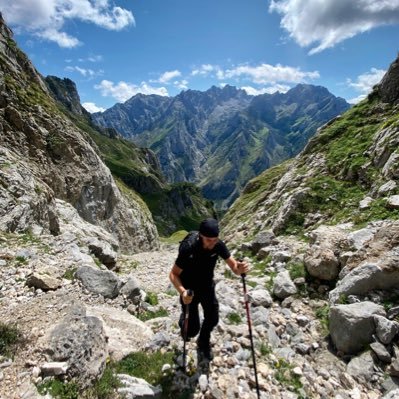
(209, 232)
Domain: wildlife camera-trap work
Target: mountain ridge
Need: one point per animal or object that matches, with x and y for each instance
(222, 137)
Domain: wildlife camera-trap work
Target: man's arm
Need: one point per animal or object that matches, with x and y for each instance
(237, 267)
(174, 277)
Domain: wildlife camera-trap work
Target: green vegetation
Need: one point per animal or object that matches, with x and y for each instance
(234, 318)
(149, 314)
(70, 273)
(10, 336)
(59, 389)
(296, 269)
(286, 377)
(175, 238)
(322, 314)
(152, 298)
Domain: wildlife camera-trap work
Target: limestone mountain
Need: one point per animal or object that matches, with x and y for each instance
(347, 173)
(45, 156)
(173, 207)
(221, 138)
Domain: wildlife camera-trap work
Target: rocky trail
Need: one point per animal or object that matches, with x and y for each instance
(79, 325)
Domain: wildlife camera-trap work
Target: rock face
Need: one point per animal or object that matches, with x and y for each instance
(44, 156)
(207, 137)
(388, 88)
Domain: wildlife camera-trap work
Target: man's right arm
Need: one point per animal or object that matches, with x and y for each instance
(174, 277)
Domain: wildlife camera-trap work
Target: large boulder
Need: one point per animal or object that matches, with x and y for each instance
(322, 257)
(352, 326)
(80, 341)
(125, 333)
(365, 278)
(103, 282)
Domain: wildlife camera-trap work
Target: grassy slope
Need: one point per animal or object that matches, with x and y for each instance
(349, 175)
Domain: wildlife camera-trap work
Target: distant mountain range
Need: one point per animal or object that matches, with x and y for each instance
(223, 137)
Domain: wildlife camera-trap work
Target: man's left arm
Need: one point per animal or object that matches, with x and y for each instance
(237, 267)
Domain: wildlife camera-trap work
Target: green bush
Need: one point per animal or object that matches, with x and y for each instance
(9, 338)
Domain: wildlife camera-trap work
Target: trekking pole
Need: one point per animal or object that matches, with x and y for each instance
(185, 328)
(250, 332)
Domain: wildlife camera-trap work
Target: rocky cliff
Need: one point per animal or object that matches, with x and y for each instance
(221, 138)
(45, 156)
(180, 206)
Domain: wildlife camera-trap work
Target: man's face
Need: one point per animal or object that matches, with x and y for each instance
(209, 242)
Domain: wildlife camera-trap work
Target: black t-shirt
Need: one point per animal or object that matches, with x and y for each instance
(198, 264)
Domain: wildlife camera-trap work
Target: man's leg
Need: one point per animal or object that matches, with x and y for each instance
(193, 319)
(210, 306)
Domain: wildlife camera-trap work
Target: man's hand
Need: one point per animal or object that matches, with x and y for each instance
(242, 267)
(187, 296)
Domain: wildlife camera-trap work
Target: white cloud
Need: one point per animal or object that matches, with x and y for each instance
(86, 72)
(266, 74)
(166, 77)
(181, 84)
(46, 18)
(252, 91)
(122, 91)
(365, 82)
(204, 70)
(325, 23)
(91, 107)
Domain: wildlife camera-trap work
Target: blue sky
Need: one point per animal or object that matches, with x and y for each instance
(114, 49)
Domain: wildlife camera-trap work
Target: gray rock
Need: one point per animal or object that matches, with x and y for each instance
(352, 326)
(260, 297)
(54, 368)
(43, 281)
(393, 201)
(386, 329)
(361, 366)
(131, 289)
(358, 238)
(322, 263)
(365, 203)
(283, 285)
(263, 239)
(80, 341)
(365, 278)
(137, 388)
(260, 316)
(103, 251)
(105, 283)
(381, 352)
(387, 187)
(394, 394)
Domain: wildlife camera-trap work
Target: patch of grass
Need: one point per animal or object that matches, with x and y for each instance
(269, 284)
(59, 389)
(296, 269)
(70, 273)
(149, 314)
(322, 314)
(234, 318)
(149, 367)
(175, 238)
(152, 298)
(284, 375)
(21, 260)
(10, 336)
(265, 349)
(105, 387)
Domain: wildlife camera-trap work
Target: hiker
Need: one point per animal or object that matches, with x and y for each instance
(193, 270)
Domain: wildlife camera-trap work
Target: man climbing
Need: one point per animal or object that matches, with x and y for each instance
(193, 270)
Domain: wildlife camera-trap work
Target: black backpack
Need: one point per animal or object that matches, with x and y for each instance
(188, 241)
